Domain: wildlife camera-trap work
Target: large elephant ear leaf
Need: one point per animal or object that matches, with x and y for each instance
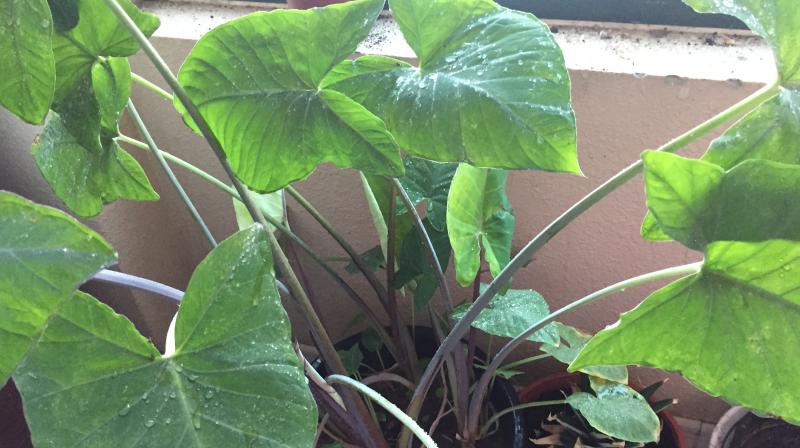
(257, 82)
(44, 256)
(731, 329)
(479, 216)
(28, 81)
(777, 21)
(491, 89)
(234, 379)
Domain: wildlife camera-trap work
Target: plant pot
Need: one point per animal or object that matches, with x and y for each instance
(740, 428)
(502, 395)
(14, 431)
(555, 386)
(307, 4)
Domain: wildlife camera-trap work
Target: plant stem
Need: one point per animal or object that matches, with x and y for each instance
(526, 254)
(524, 361)
(357, 299)
(151, 144)
(368, 430)
(152, 87)
(426, 241)
(407, 421)
(142, 284)
(519, 407)
(351, 252)
(482, 386)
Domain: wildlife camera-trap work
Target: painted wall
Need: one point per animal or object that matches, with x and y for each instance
(618, 117)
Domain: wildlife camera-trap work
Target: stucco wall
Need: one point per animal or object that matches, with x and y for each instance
(618, 117)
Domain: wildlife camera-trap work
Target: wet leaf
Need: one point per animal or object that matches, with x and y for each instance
(234, 379)
(731, 329)
(44, 256)
(256, 81)
(491, 89)
(429, 182)
(570, 343)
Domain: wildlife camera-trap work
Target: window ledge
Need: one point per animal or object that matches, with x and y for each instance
(638, 50)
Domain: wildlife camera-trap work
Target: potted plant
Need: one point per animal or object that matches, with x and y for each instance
(490, 93)
(741, 428)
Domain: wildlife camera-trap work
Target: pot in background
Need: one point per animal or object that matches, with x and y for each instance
(555, 386)
(740, 428)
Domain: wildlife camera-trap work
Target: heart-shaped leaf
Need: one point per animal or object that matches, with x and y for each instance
(86, 180)
(429, 181)
(731, 329)
(491, 89)
(570, 342)
(509, 314)
(696, 202)
(44, 256)
(479, 215)
(26, 55)
(256, 81)
(618, 411)
(234, 379)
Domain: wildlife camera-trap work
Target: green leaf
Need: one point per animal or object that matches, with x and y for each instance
(491, 89)
(373, 259)
(378, 192)
(351, 359)
(234, 379)
(775, 20)
(85, 181)
(80, 115)
(256, 81)
(618, 411)
(111, 82)
(570, 343)
(44, 256)
(271, 204)
(731, 329)
(651, 231)
(26, 55)
(429, 181)
(509, 314)
(414, 262)
(479, 215)
(696, 202)
(98, 34)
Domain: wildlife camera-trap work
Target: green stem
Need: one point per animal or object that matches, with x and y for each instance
(151, 145)
(152, 87)
(526, 254)
(519, 407)
(524, 361)
(482, 387)
(407, 421)
(357, 299)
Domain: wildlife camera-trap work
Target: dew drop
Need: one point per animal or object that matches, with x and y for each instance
(125, 411)
(149, 423)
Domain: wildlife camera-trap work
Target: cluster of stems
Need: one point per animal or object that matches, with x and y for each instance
(467, 406)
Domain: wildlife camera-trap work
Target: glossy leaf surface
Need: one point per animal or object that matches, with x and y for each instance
(730, 330)
(28, 80)
(233, 381)
(509, 314)
(491, 89)
(44, 256)
(479, 216)
(84, 180)
(570, 342)
(429, 182)
(256, 81)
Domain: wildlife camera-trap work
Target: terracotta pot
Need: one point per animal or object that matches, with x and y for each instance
(671, 434)
(14, 431)
(306, 4)
(739, 428)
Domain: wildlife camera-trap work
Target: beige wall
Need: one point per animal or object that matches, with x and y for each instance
(618, 117)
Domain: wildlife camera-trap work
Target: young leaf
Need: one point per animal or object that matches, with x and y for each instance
(479, 215)
(491, 89)
(429, 181)
(351, 359)
(697, 203)
(234, 379)
(731, 329)
(272, 204)
(777, 21)
(262, 95)
(97, 34)
(618, 411)
(111, 82)
(84, 180)
(509, 314)
(570, 342)
(44, 256)
(26, 55)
